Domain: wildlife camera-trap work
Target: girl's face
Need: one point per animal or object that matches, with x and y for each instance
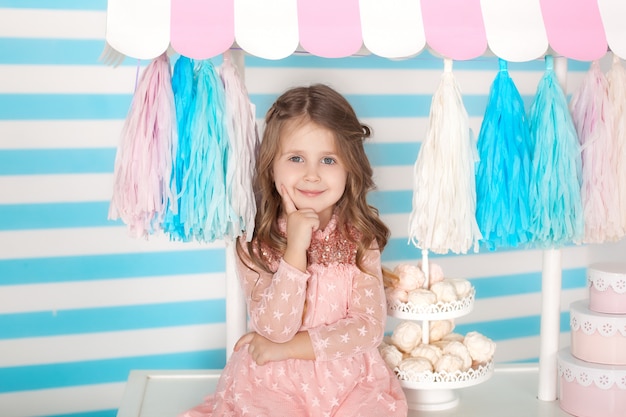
(309, 167)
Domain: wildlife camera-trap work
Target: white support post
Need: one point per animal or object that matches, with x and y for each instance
(426, 270)
(236, 315)
(551, 278)
(236, 322)
(550, 324)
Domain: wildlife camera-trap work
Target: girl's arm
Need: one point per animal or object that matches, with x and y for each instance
(364, 325)
(262, 350)
(275, 301)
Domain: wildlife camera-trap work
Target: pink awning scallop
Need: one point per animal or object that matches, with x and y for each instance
(202, 29)
(330, 28)
(516, 30)
(454, 28)
(574, 28)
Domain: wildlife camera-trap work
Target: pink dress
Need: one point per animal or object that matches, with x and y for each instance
(345, 317)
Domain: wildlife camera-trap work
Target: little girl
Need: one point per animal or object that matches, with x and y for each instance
(311, 274)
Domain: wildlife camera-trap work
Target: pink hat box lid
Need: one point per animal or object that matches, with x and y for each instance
(607, 287)
(584, 373)
(589, 322)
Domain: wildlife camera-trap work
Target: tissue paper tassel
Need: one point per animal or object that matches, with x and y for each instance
(616, 78)
(204, 211)
(143, 163)
(244, 140)
(555, 202)
(592, 116)
(184, 88)
(502, 176)
(444, 192)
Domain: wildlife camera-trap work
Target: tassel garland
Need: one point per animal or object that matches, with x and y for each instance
(187, 152)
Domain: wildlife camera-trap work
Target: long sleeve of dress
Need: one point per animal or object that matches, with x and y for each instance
(364, 324)
(275, 301)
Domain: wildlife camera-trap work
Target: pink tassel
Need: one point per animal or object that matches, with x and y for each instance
(241, 125)
(592, 116)
(143, 162)
(616, 78)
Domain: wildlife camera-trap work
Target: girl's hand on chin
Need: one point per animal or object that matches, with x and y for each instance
(301, 223)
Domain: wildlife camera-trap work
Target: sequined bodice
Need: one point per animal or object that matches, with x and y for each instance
(331, 248)
(328, 246)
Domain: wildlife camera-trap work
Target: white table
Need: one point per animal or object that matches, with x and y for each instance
(510, 392)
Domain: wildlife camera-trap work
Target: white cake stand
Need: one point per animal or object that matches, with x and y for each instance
(427, 312)
(433, 391)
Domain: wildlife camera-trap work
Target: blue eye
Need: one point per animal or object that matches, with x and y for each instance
(328, 160)
(295, 159)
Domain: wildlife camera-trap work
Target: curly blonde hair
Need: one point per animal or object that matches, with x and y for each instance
(324, 106)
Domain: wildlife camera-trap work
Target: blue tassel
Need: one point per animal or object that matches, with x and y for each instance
(205, 209)
(183, 85)
(210, 107)
(555, 199)
(502, 176)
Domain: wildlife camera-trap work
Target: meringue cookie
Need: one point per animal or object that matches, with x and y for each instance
(480, 347)
(435, 273)
(440, 343)
(449, 363)
(391, 355)
(415, 365)
(430, 352)
(445, 291)
(439, 328)
(460, 350)
(453, 337)
(422, 296)
(410, 277)
(396, 295)
(407, 335)
(462, 286)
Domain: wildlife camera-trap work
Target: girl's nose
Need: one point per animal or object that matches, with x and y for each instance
(311, 173)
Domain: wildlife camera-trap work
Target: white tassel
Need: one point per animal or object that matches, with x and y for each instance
(443, 217)
(616, 78)
(241, 125)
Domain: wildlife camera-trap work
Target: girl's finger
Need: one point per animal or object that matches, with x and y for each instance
(288, 203)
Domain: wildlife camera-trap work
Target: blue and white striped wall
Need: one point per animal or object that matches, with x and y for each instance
(81, 303)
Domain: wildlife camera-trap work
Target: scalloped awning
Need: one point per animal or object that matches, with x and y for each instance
(515, 30)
